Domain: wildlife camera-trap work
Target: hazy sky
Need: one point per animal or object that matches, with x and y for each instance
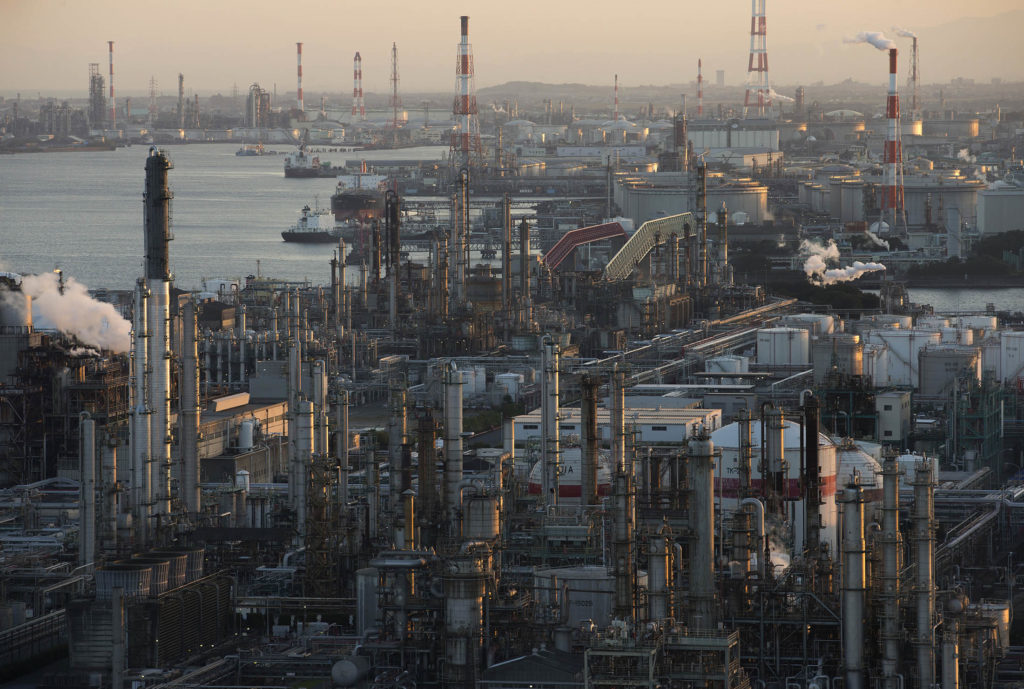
(46, 45)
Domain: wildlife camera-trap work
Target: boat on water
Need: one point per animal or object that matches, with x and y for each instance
(359, 196)
(315, 226)
(303, 164)
(251, 150)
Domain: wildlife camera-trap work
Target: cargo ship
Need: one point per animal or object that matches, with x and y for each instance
(315, 226)
(359, 197)
(302, 164)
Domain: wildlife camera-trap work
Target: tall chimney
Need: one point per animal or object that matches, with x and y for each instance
(113, 102)
(892, 196)
(299, 102)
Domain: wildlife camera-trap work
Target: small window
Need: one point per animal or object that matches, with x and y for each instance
(567, 427)
(888, 434)
(530, 426)
(659, 428)
(887, 407)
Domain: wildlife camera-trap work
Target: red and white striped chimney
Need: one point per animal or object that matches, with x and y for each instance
(300, 104)
(113, 101)
(892, 197)
(358, 107)
(700, 88)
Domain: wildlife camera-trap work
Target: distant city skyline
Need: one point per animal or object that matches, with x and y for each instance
(47, 45)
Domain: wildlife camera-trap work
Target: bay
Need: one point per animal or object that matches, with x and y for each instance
(82, 213)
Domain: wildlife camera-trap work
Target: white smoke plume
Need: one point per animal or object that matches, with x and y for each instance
(816, 265)
(875, 38)
(775, 95)
(877, 240)
(74, 312)
(965, 155)
(904, 33)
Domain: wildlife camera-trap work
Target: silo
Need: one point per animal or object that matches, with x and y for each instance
(904, 348)
(782, 346)
(817, 324)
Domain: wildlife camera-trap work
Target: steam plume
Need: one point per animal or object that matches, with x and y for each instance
(775, 95)
(875, 38)
(904, 33)
(93, 322)
(816, 265)
(877, 240)
(965, 155)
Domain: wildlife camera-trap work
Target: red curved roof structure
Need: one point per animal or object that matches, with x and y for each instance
(578, 237)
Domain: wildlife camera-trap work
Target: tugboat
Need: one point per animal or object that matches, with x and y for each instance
(315, 226)
(250, 150)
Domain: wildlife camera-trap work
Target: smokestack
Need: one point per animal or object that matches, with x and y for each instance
(466, 139)
(550, 454)
(302, 463)
(506, 262)
(396, 100)
(700, 88)
(113, 102)
(189, 407)
(892, 197)
(157, 235)
(181, 101)
(854, 585)
(358, 105)
(87, 501)
(299, 102)
(615, 115)
(757, 100)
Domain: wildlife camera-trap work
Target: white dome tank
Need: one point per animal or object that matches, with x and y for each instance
(569, 480)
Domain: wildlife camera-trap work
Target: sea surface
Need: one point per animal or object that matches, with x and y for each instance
(82, 213)
(959, 299)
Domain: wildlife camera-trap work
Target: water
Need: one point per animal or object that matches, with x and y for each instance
(954, 299)
(82, 213)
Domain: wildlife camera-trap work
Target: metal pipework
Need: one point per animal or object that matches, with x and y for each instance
(341, 445)
(550, 455)
(702, 520)
(924, 560)
(303, 458)
(589, 385)
(854, 584)
(812, 466)
(625, 504)
(321, 425)
(506, 261)
(725, 278)
(889, 608)
(452, 441)
(526, 303)
(950, 652)
(702, 225)
(392, 225)
(659, 576)
(397, 432)
(189, 405)
(87, 499)
(108, 458)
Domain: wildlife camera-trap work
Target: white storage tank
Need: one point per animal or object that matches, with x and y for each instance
(783, 346)
(246, 433)
(727, 440)
(728, 363)
(1011, 356)
(569, 485)
(844, 351)
(876, 364)
(963, 336)
(992, 355)
(932, 322)
(512, 382)
(852, 458)
(904, 349)
(481, 518)
(941, 366)
(982, 325)
(591, 592)
(816, 323)
(481, 380)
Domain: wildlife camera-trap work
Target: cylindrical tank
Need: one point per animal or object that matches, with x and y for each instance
(728, 363)
(842, 351)
(876, 364)
(904, 347)
(782, 346)
(817, 324)
(480, 520)
(941, 365)
(246, 432)
(852, 459)
(350, 670)
(512, 382)
(135, 579)
(1011, 356)
(932, 322)
(962, 336)
(160, 567)
(177, 570)
(569, 485)
(985, 324)
(242, 480)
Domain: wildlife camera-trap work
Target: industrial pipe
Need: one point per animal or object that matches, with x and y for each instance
(854, 584)
(549, 421)
(87, 499)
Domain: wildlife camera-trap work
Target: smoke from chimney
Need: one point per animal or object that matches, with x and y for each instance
(74, 312)
(875, 38)
(816, 265)
(905, 33)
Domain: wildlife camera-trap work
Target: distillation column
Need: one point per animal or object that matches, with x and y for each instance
(189, 408)
(889, 609)
(549, 421)
(141, 501)
(589, 385)
(924, 585)
(158, 277)
(625, 503)
(452, 443)
(702, 526)
(854, 584)
(87, 520)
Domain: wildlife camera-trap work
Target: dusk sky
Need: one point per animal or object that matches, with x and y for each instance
(46, 45)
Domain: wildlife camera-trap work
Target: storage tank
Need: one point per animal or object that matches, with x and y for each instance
(350, 670)
(512, 382)
(904, 349)
(852, 459)
(932, 322)
(571, 470)
(135, 579)
(177, 570)
(962, 336)
(817, 324)
(843, 351)
(246, 434)
(876, 364)
(942, 364)
(992, 355)
(726, 439)
(981, 325)
(1011, 356)
(591, 591)
(480, 380)
(159, 567)
(782, 346)
(728, 363)
(480, 520)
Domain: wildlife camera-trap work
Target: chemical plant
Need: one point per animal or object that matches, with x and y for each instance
(535, 443)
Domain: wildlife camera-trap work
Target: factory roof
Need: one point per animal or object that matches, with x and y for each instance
(542, 667)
